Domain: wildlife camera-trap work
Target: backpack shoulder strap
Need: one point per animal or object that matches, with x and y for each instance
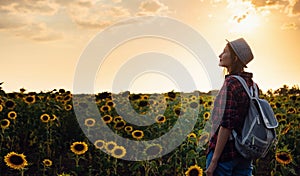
(249, 91)
(250, 94)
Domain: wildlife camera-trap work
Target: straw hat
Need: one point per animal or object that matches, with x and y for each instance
(242, 50)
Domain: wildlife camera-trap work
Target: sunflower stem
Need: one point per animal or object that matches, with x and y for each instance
(22, 172)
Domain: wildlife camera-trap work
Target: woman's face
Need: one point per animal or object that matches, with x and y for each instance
(225, 58)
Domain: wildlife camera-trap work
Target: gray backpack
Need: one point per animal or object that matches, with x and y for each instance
(258, 133)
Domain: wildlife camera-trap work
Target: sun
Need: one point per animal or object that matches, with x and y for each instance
(244, 19)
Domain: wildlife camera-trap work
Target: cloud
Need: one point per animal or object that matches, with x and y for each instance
(38, 32)
(10, 21)
(152, 7)
(289, 26)
(97, 16)
(21, 19)
(116, 1)
(296, 8)
(40, 7)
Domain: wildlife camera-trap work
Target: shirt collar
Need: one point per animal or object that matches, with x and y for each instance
(242, 74)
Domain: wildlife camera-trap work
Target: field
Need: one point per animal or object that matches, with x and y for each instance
(41, 133)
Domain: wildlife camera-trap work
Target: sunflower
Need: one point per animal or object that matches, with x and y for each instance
(12, 115)
(204, 137)
(45, 118)
(120, 124)
(79, 148)
(192, 135)
(208, 104)
(9, 104)
(283, 157)
(63, 174)
(193, 97)
(194, 170)
(15, 160)
(128, 129)
(137, 134)
(1, 107)
(107, 118)
(143, 103)
(206, 116)
(118, 152)
(67, 98)
(110, 103)
(291, 111)
(286, 129)
(145, 97)
(99, 144)
(160, 119)
(135, 97)
(109, 146)
(53, 117)
(30, 99)
(118, 118)
(68, 107)
(194, 104)
(89, 122)
(153, 150)
(58, 98)
(105, 108)
(4, 123)
(171, 94)
(47, 162)
(178, 111)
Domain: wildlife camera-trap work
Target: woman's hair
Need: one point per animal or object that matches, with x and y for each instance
(237, 66)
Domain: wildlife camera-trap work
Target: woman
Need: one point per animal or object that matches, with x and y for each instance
(230, 109)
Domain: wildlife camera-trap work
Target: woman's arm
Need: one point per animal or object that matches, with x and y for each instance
(223, 136)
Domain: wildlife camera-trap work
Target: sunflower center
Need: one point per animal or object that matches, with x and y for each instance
(4, 122)
(171, 94)
(16, 160)
(110, 146)
(110, 103)
(118, 152)
(153, 150)
(120, 124)
(194, 105)
(105, 108)
(45, 118)
(29, 99)
(160, 118)
(106, 118)
(135, 97)
(138, 134)
(99, 144)
(283, 157)
(9, 104)
(12, 115)
(79, 147)
(177, 111)
(90, 122)
(143, 103)
(194, 172)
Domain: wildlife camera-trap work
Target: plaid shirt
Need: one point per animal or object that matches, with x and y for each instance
(230, 108)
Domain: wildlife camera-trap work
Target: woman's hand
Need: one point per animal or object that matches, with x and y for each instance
(211, 168)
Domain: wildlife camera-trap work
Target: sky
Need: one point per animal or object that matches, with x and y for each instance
(42, 41)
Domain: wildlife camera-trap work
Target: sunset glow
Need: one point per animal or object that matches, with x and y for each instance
(42, 41)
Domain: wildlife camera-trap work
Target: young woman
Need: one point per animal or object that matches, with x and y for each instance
(230, 109)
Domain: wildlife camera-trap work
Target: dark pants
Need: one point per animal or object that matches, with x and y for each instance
(236, 167)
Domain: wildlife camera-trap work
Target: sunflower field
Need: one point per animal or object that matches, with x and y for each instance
(41, 135)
